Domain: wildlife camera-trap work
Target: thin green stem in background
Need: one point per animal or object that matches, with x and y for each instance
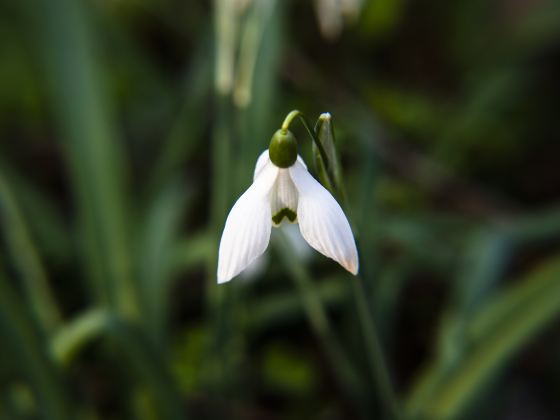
(376, 359)
(374, 351)
(218, 297)
(345, 371)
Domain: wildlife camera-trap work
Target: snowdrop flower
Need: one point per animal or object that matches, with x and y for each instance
(283, 189)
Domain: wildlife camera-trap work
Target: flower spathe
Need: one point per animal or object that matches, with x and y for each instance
(275, 194)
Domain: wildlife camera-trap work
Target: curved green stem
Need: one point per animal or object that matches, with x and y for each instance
(286, 125)
(289, 118)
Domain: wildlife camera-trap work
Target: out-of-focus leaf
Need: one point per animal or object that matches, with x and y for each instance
(136, 351)
(190, 365)
(157, 240)
(18, 402)
(253, 31)
(537, 30)
(227, 33)
(45, 220)
(347, 376)
(288, 307)
(536, 226)
(19, 330)
(26, 260)
(287, 371)
(380, 17)
(495, 335)
(483, 120)
(77, 333)
(197, 249)
(93, 153)
(411, 112)
(186, 132)
(484, 261)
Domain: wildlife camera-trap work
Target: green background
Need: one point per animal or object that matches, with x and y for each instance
(128, 128)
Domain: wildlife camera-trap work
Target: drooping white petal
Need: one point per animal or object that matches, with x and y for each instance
(300, 160)
(247, 231)
(283, 198)
(264, 158)
(322, 222)
(261, 161)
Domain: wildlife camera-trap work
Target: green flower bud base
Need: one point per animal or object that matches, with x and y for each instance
(283, 148)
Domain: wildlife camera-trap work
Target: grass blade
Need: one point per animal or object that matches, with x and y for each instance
(496, 334)
(26, 260)
(91, 148)
(17, 326)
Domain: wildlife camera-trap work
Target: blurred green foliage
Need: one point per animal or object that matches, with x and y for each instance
(130, 127)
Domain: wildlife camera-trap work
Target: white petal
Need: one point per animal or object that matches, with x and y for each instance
(322, 222)
(247, 231)
(261, 161)
(300, 160)
(284, 195)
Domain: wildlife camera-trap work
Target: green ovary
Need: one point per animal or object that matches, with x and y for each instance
(285, 212)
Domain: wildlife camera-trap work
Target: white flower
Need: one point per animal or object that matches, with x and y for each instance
(277, 193)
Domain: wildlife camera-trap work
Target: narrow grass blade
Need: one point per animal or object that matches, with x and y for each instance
(17, 326)
(155, 257)
(496, 334)
(91, 148)
(26, 260)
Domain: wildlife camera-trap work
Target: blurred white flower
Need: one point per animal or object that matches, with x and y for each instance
(278, 193)
(332, 15)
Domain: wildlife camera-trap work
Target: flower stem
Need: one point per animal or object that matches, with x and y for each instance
(376, 359)
(286, 125)
(344, 370)
(289, 118)
(375, 355)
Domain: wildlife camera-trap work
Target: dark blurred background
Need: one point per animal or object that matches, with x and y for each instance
(129, 128)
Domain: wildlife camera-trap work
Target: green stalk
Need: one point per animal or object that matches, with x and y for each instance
(218, 297)
(376, 360)
(285, 126)
(375, 355)
(344, 371)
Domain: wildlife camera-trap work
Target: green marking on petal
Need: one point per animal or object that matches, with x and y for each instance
(285, 212)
